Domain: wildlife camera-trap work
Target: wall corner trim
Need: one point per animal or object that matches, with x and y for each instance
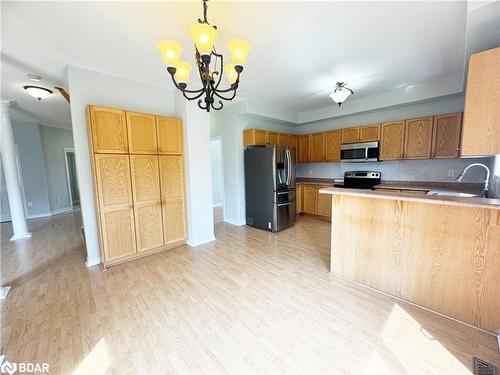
(91, 262)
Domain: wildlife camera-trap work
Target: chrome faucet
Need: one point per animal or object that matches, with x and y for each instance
(484, 193)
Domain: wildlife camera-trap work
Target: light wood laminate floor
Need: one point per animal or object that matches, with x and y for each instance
(249, 302)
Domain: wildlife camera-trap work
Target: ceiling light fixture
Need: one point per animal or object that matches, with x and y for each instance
(341, 93)
(204, 36)
(38, 92)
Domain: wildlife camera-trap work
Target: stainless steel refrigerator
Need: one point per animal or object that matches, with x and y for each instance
(270, 187)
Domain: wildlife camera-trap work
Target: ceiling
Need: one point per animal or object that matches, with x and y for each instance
(300, 49)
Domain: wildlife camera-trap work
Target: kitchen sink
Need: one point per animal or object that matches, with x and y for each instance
(452, 194)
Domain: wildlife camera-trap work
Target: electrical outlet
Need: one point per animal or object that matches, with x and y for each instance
(451, 173)
(30, 204)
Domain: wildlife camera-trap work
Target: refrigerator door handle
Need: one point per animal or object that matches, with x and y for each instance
(285, 204)
(288, 166)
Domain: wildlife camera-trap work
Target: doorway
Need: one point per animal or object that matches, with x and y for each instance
(217, 180)
(74, 193)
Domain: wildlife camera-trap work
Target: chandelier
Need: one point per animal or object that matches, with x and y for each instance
(341, 93)
(209, 62)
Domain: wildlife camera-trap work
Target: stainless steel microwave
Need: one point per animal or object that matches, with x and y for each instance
(359, 152)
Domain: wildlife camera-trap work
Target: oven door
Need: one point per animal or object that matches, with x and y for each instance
(359, 152)
(284, 215)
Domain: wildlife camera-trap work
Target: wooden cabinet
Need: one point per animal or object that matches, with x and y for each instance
(170, 137)
(446, 135)
(309, 199)
(304, 149)
(139, 195)
(147, 201)
(294, 145)
(324, 203)
(332, 145)
(418, 138)
(299, 190)
(252, 137)
(317, 144)
(173, 201)
(392, 140)
(108, 128)
(116, 213)
(350, 135)
(272, 138)
(283, 139)
(481, 123)
(369, 133)
(141, 130)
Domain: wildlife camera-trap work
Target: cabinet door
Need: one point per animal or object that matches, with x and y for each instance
(332, 145)
(141, 129)
(317, 147)
(272, 138)
(169, 133)
(392, 140)
(446, 135)
(299, 197)
(350, 135)
(283, 139)
(294, 145)
(147, 201)
(172, 193)
(324, 203)
(310, 196)
(109, 130)
(481, 124)
(304, 149)
(369, 133)
(115, 205)
(252, 137)
(418, 138)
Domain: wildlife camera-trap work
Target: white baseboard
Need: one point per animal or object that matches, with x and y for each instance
(38, 216)
(200, 241)
(91, 262)
(61, 211)
(21, 236)
(237, 223)
(4, 291)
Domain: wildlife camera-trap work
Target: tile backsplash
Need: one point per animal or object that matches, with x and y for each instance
(438, 170)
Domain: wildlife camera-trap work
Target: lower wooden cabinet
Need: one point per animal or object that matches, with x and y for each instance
(299, 197)
(116, 214)
(311, 201)
(324, 203)
(310, 196)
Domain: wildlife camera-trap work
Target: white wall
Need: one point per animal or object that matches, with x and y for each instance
(89, 87)
(217, 182)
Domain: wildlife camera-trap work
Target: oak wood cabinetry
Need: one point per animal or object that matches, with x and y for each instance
(369, 133)
(294, 144)
(350, 135)
(481, 123)
(108, 128)
(332, 145)
(317, 145)
(283, 139)
(272, 138)
(299, 197)
(392, 140)
(252, 137)
(324, 203)
(139, 192)
(304, 148)
(310, 198)
(418, 138)
(446, 136)
(310, 201)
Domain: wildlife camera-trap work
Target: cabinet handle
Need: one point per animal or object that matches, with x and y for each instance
(126, 148)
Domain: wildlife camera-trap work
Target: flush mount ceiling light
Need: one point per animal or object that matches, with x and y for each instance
(341, 93)
(204, 36)
(38, 92)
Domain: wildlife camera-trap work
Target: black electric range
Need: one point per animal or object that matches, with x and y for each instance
(360, 180)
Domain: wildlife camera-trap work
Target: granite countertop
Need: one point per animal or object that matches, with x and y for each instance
(491, 203)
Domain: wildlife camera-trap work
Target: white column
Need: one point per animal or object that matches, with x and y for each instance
(11, 175)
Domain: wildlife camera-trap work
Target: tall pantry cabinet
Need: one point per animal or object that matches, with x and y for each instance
(138, 173)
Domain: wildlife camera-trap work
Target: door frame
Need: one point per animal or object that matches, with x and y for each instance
(66, 151)
(219, 138)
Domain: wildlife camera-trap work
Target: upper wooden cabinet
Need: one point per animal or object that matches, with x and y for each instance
(294, 145)
(109, 130)
(392, 140)
(252, 137)
(350, 135)
(283, 139)
(332, 145)
(169, 132)
(141, 129)
(369, 133)
(272, 138)
(304, 149)
(481, 124)
(317, 144)
(418, 138)
(446, 136)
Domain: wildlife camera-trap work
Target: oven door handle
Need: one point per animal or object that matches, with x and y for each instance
(366, 153)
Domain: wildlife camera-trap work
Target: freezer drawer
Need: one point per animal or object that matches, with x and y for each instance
(284, 215)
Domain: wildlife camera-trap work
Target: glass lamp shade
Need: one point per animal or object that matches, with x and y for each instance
(204, 37)
(340, 94)
(182, 72)
(232, 75)
(38, 92)
(239, 49)
(170, 51)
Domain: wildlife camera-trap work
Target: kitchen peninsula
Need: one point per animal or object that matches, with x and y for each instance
(438, 252)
